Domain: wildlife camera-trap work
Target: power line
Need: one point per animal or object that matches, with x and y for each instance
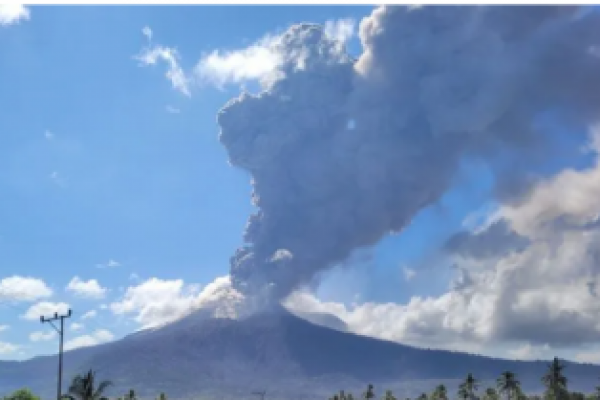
(61, 332)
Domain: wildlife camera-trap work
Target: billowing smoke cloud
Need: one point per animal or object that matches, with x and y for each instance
(342, 151)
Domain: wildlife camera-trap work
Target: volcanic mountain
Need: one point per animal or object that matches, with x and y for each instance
(282, 353)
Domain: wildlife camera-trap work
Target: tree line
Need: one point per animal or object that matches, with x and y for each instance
(508, 387)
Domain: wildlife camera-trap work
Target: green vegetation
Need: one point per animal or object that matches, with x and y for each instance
(83, 387)
(508, 387)
(22, 394)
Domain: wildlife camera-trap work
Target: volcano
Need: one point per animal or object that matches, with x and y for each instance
(284, 354)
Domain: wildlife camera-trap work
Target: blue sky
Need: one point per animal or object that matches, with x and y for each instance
(110, 176)
(95, 168)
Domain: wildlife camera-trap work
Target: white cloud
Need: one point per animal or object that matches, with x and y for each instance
(89, 315)
(7, 348)
(98, 337)
(146, 31)
(19, 288)
(341, 30)
(46, 309)
(256, 62)
(591, 357)
(529, 352)
(262, 60)
(156, 302)
(544, 293)
(221, 298)
(423, 322)
(75, 326)
(151, 55)
(13, 13)
(89, 289)
(41, 336)
(3, 328)
(49, 135)
(408, 273)
(109, 264)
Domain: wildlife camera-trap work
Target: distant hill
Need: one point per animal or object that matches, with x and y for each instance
(201, 357)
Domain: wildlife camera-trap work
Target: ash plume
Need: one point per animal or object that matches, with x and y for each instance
(343, 151)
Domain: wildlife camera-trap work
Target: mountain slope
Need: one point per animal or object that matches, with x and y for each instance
(290, 357)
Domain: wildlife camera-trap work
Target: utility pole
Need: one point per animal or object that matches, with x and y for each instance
(60, 331)
(260, 394)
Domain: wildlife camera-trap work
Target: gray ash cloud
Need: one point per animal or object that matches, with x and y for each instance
(341, 151)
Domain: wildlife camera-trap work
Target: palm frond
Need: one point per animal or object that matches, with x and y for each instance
(101, 389)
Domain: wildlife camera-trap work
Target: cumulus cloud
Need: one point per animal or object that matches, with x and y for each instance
(13, 13)
(45, 309)
(3, 328)
(423, 322)
(152, 54)
(341, 30)
(7, 348)
(41, 336)
(89, 315)
(89, 289)
(256, 62)
(19, 288)
(156, 302)
(98, 337)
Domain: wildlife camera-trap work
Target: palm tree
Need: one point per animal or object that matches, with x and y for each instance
(83, 387)
(389, 395)
(369, 394)
(130, 395)
(520, 395)
(463, 393)
(554, 379)
(469, 386)
(508, 383)
(440, 393)
(490, 394)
